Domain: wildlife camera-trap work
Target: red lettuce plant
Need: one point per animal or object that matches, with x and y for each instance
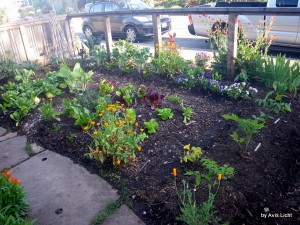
(154, 98)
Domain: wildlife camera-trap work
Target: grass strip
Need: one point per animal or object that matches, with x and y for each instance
(106, 212)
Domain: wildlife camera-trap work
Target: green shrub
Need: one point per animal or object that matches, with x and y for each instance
(13, 206)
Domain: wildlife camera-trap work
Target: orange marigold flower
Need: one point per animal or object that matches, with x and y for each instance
(128, 116)
(100, 114)
(15, 180)
(117, 123)
(102, 111)
(114, 109)
(92, 122)
(219, 176)
(86, 128)
(187, 147)
(139, 148)
(122, 122)
(95, 132)
(129, 131)
(174, 172)
(136, 124)
(134, 133)
(118, 162)
(7, 173)
(106, 124)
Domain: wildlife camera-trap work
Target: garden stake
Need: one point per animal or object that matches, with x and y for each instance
(277, 121)
(257, 147)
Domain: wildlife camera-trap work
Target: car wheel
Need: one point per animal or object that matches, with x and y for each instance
(131, 34)
(88, 32)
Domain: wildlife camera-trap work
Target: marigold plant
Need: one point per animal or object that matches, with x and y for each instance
(115, 134)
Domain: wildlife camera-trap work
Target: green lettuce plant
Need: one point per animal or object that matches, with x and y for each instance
(48, 112)
(152, 126)
(165, 114)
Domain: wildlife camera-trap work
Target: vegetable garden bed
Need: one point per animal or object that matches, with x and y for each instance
(266, 174)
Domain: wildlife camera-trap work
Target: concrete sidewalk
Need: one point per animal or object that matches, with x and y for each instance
(59, 192)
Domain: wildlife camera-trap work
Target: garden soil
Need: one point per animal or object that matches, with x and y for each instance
(266, 181)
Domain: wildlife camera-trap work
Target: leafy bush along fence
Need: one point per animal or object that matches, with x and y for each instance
(232, 23)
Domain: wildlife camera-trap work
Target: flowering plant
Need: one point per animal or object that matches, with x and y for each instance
(202, 59)
(115, 134)
(13, 206)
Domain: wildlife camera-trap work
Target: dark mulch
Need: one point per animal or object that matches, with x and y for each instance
(267, 178)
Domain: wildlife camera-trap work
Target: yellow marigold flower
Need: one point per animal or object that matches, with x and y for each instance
(174, 172)
(219, 176)
(134, 133)
(86, 128)
(95, 132)
(187, 147)
(92, 122)
(122, 122)
(129, 131)
(102, 111)
(117, 123)
(100, 114)
(106, 124)
(141, 129)
(128, 116)
(117, 102)
(114, 109)
(136, 124)
(139, 148)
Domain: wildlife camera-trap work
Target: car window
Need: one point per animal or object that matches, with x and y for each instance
(111, 7)
(136, 4)
(286, 3)
(97, 8)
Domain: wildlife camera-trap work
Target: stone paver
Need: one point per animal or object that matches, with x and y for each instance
(36, 148)
(12, 152)
(60, 192)
(123, 216)
(2, 131)
(8, 136)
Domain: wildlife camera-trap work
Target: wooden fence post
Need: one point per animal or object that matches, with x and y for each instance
(107, 35)
(232, 44)
(156, 32)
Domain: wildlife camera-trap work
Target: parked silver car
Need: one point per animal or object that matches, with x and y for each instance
(131, 27)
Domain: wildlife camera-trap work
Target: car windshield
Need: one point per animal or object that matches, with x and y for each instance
(134, 4)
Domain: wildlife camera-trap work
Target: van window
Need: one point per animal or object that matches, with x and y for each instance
(286, 3)
(97, 8)
(111, 7)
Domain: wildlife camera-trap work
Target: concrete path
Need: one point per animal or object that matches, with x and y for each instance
(59, 192)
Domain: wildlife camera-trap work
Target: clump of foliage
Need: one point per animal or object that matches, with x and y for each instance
(280, 69)
(246, 129)
(152, 126)
(273, 99)
(115, 134)
(126, 93)
(165, 114)
(191, 154)
(13, 206)
(48, 112)
(169, 62)
(175, 99)
(192, 212)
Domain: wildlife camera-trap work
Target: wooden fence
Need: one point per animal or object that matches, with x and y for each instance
(232, 23)
(37, 39)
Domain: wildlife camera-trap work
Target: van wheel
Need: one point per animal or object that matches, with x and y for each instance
(88, 32)
(131, 34)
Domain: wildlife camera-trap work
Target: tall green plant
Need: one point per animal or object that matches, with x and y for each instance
(246, 129)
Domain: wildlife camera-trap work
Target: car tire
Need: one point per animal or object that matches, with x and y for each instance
(131, 34)
(88, 31)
